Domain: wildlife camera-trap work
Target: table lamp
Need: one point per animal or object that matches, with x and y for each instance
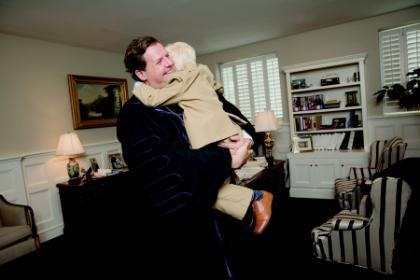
(69, 145)
(266, 122)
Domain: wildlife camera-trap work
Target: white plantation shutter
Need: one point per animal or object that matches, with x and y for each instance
(413, 47)
(399, 54)
(391, 53)
(229, 88)
(242, 88)
(253, 85)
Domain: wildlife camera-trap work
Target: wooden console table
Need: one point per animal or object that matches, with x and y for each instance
(88, 206)
(92, 204)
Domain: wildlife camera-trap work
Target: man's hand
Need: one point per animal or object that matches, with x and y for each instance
(239, 148)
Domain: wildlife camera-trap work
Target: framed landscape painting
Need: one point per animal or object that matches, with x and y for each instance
(96, 101)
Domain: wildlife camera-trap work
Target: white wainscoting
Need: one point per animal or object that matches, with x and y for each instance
(12, 185)
(407, 127)
(31, 179)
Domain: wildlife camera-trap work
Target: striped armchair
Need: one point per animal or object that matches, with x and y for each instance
(366, 240)
(382, 154)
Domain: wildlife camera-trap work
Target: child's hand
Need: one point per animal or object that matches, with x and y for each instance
(239, 148)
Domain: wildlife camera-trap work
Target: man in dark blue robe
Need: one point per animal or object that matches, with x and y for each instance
(174, 187)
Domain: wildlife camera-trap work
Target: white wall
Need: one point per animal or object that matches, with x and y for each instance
(35, 102)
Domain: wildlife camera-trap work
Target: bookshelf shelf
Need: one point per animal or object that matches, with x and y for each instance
(322, 111)
(329, 130)
(318, 88)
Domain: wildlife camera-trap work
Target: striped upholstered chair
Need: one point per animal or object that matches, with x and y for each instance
(366, 240)
(382, 154)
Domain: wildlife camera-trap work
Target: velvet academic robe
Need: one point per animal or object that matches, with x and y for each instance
(172, 189)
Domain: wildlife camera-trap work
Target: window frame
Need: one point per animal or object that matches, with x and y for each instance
(270, 89)
(390, 107)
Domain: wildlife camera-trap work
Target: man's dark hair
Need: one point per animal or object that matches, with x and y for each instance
(133, 59)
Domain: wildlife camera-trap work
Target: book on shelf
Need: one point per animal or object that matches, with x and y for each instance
(351, 139)
(329, 104)
(345, 142)
(358, 140)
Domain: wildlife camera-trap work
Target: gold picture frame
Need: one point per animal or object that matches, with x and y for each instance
(96, 101)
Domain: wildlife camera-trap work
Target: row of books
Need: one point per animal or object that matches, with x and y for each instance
(305, 123)
(314, 122)
(306, 103)
(350, 140)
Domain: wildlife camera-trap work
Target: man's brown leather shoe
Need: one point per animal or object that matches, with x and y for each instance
(262, 212)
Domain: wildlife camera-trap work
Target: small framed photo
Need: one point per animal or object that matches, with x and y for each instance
(351, 98)
(116, 161)
(302, 144)
(94, 164)
(339, 122)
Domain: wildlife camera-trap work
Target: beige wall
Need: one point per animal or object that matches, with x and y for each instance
(340, 40)
(35, 103)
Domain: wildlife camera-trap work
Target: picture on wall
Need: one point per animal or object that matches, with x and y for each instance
(96, 101)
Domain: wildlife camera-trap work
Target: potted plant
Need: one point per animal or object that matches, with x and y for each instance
(408, 96)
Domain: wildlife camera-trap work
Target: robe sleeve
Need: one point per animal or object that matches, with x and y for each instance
(171, 178)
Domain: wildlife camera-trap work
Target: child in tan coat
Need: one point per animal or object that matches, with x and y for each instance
(194, 88)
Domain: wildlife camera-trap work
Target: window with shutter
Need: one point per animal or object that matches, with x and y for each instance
(399, 54)
(253, 85)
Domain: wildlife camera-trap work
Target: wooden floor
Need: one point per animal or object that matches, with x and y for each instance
(284, 251)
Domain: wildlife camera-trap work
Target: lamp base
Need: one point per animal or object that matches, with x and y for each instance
(73, 169)
(268, 144)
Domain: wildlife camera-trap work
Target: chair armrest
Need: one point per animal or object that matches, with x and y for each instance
(364, 173)
(16, 214)
(13, 215)
(347, 220)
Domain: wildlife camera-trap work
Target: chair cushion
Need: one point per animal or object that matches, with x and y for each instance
(10, 235)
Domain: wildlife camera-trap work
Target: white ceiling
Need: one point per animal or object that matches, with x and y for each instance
(208, 25)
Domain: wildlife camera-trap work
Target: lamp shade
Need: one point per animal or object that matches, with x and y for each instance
(266, 121)
(69, 145)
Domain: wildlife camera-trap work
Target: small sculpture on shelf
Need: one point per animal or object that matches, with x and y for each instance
(299, 84)
(330, 79)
